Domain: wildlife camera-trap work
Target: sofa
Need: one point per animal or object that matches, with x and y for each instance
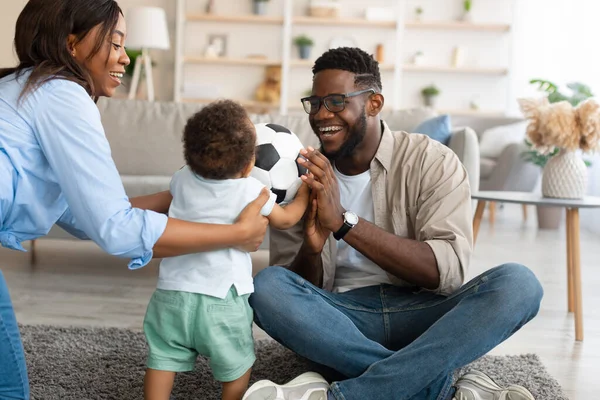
(145, 139)
(502, 167)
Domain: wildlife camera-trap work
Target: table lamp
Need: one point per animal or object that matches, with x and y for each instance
(146, 29)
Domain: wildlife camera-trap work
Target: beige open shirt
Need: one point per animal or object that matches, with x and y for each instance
(420, 191)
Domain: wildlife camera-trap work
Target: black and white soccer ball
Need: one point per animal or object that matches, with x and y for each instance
(277, 149)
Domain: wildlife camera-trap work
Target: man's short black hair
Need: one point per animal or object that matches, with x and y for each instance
(219, 140)
(355, 60)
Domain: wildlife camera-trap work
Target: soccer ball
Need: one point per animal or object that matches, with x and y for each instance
(277, 149)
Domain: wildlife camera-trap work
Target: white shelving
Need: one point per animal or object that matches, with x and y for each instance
(287, 21)
(459, 70)
(457, 26)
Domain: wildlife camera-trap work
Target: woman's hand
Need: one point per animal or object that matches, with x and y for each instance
(252, 224)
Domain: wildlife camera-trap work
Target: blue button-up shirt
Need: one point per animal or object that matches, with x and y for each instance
(56, 167)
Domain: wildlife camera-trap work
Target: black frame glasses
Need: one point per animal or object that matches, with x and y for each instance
(335, 102)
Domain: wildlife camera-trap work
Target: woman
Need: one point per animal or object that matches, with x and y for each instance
(55, 162)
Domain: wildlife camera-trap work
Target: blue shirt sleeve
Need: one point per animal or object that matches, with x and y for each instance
(68, 223)
(70, 133)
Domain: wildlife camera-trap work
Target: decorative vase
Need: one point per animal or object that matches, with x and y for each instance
(565, 176)
(304, 52)
(260, 7)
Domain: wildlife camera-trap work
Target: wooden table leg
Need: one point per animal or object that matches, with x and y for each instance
(477, 219)
(524, 207)
(492, 213)
(569, 229)
(576, 260)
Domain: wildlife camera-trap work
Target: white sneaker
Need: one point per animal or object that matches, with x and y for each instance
(476, 385)
(308, 386)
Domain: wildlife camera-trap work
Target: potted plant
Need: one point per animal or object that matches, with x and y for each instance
(429, 94)
(561, 128)
(418, 13)
(260, 7)
(304, 44)
(467, 6)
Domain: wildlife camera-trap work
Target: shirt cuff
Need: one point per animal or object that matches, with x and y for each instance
(449, 267)
(154, 227)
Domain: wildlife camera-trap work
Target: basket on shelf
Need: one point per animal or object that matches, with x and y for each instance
(324, 9)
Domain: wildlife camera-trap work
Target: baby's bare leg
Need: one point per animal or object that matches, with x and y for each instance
(234, 390)
(158, 384)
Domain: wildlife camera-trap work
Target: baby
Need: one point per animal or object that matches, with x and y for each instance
(201, 305)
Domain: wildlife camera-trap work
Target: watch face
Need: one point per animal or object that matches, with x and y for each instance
(351, 218)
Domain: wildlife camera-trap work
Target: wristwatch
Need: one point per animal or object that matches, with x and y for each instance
(350, 219)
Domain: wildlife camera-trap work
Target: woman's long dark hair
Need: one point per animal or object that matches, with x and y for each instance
(41, 34)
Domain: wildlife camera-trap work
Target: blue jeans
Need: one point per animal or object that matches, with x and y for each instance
(388, 342)
(14, 384)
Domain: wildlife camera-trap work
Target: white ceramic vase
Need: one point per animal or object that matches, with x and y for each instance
(565, 176)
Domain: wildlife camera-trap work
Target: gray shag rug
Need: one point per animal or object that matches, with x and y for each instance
(109, 363)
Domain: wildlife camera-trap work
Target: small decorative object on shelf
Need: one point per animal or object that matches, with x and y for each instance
(474, 105)
(269, 91)
(210, 7)
(380, 14)
(430, 94)
(418, 58)
(467, 6)
(418, 13)
(565, 130)
(260, 6)
(304, 44)
(324, 8)
(380, 53)
(217, 46)
(458, 56)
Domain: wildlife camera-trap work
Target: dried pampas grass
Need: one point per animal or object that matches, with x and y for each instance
(561, 125)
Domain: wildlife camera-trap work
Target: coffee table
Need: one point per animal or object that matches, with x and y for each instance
(574, 301)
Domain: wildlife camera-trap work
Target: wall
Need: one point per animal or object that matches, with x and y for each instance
(163, 74)
(8, 19)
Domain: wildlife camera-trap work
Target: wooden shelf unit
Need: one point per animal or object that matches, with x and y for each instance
(287, 21)
(236, 19)
(457, 25)
(450, 69)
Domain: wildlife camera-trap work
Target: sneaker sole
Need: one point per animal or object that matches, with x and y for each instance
(308, 386)
(512, 392)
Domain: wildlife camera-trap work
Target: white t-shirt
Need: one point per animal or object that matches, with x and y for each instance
(218, 202)
(354, 270)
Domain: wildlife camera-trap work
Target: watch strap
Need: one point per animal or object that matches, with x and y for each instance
(342, 231)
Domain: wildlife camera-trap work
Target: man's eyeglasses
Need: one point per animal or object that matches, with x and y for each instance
(333, 102)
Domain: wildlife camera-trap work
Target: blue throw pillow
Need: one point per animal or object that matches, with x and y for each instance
(438, 128)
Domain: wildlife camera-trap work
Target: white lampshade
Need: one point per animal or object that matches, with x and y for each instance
(147, 28)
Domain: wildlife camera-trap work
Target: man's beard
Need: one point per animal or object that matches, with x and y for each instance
(355, 137)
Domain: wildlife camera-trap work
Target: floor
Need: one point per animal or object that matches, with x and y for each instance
(74, 283)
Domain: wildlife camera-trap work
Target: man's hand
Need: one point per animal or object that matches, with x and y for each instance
(315, 235)
(323, 182)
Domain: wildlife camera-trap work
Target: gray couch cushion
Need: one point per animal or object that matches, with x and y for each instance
(407, 120)
(145, 137)
(487, 167)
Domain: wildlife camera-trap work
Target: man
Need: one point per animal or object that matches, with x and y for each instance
(372, 284)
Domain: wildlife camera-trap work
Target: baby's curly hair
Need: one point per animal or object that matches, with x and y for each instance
(219, 140)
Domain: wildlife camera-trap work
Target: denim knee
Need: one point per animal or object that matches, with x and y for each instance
(518, 286)
(269, 286)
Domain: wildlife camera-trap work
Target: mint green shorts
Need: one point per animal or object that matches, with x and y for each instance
(179, 326)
